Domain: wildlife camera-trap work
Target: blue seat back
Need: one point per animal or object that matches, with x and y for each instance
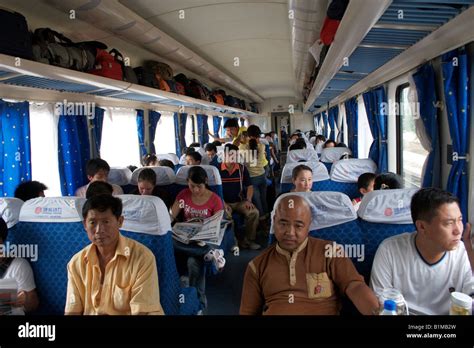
(165, 178)
(320, 174)
(213, 176)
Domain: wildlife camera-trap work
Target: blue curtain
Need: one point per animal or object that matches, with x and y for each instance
(141, 132)
(97, 123)
(15, 148)
(352, 125)
(73, 154)
(375, 102)
(456, 90)
(333, 115)
(203, 129)
(325, 121)
(216, 124)
(425, 87)
(153, 119)
(179, 131)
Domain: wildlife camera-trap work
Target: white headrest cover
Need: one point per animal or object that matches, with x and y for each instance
(168, 156)
(327, 208)
(308, 155)
(52, 209)
(164, 175)
(119, 176)
(213, 176)
(387, 206)
(182, 159)
(320, 171)
(10, 210)
(332, 154)
(350, 169)
(145, 214)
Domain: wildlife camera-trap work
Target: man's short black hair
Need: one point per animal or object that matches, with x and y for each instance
(195, 145)
(426, 202)
(29, 189)
(98, 188)
(297, 146)
(166, 163)
(102, 203)
(364, 180)
(195, 155)
(231, 122)
(95, 165)
(388, 181)
(230, 147)
(188, 150)
(147, 174)
(3, 230)
(217, 143)
(210, 147)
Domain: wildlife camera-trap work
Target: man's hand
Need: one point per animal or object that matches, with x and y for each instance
(248, 205)
(20, 299)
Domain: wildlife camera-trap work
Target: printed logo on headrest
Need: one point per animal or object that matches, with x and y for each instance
(38, 210)
(51, 212)
(388, 212)
(396, 211)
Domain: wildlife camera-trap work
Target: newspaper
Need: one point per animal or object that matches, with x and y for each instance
(8, 293)
(210, 230)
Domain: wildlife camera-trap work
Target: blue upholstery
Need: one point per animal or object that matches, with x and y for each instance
(349, 189)
(57, 244)
(328, 166)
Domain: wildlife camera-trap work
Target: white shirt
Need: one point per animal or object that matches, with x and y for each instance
(20, 271)
(426, 288)
(81, 191)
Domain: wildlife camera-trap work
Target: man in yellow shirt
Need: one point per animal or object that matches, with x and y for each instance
(233, 132)
(114, 275)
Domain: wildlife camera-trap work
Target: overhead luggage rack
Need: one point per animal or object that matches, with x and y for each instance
(34, 75)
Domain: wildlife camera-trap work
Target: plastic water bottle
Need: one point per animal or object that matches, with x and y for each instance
(389, 308)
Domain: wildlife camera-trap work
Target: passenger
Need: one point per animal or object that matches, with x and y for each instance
(30, 189)
(388, 181)
(20, 271)
(193, 158)
(365, 184)
(211, 152)
(166, 163)
(99, 188)
(293, 139)
(345, 156)
(427, 265)
(197, 202)
(319, 143)
(97, 170)
(132, 168)
(114, 275)
(341, 145)
(302, 177)
(195, 145)
(217, 143)
(233, 131)
(150, 160)
(297, 146)
(255, 161)
(147, 187)
(244, 137)
(294, 276)
(329, 143)
(238, 192)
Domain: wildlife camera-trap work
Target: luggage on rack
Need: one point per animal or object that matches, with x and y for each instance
(15, 39)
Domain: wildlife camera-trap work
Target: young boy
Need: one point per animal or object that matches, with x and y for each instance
(365, 184)
(97, 170)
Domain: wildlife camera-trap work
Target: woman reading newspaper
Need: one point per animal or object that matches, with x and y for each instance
(197, 202)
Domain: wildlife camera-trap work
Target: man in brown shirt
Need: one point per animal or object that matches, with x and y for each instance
(295, 277)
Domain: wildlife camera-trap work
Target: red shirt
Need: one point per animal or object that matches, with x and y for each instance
(192, 210)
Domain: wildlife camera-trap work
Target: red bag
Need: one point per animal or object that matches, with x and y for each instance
(328, 31)
(107, 66)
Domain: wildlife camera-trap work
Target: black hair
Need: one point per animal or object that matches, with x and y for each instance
(426, 202)
(95, 165)
(29, 189)
(345, 156)
(230, 147)
(197, 175)
(149, 159)
(254, 132)
(231, 122)
(132, 168)
(147, 174)
(167, 163)
(364, 180)
(195, 155)
(341, 145)
(297, 146)
(210, 147)
(217, 143)
(3, 230)
(298, 169)
(98, 188)
(320, 137)
(188, 150)
(302, 142)
(102, 203)
(195, 145)
(329, 142)
(388, 181)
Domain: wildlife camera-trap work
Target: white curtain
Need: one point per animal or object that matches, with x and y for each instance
(164, 136)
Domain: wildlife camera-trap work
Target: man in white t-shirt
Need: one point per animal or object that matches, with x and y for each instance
(97, 170)
(429, 264)
(20, 271)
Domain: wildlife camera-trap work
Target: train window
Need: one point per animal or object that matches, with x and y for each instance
(44, 149)
(410, 155)
(164, 135)
(120, 148)
(210, 126)
(364, 134)
(189, 135)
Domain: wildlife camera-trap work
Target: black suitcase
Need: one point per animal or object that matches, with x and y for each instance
(15, 39)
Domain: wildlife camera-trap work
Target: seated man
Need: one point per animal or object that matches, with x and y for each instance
(29, 190)
(211, 152)
(238, 192)
(19, 270)
(97, 170)
(427, 265)
(193, 158)
(294, 276)
(114, 275)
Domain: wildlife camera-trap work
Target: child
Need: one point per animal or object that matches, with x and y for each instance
(97, 170)
(388, 181)
(365, 184)
(302, 177)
